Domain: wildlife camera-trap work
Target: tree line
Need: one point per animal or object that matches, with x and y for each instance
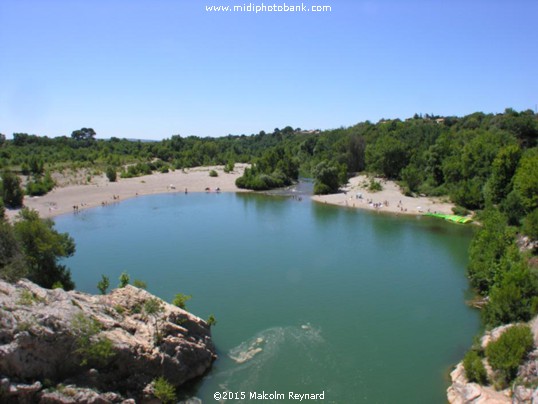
(483, 162)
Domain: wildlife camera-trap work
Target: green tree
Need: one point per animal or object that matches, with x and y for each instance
(514, 296)
(326, 178)
(111, 174)
(503, 169)
(12, 193)
(87, 134)
(488, 247)
(388, 156)
(124, 279)
(530, 225)
(526, 179)
(103, 284)
(43, 246)
(412, 177)
(12, 261)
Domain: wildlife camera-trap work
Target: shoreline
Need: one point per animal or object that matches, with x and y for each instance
(389, 200)
(101, 192)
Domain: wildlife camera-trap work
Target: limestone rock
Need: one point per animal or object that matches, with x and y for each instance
(54, 335)
(461, 391)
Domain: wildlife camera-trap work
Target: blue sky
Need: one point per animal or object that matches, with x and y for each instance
(152, 69)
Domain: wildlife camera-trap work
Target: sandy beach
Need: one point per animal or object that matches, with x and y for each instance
(100, 191)
(69, 198)
(390, 199)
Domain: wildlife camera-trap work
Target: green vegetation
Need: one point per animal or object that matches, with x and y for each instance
(42, 247)
(12, 194)
(28, 298)
(164, 391)
(111, 174)
(506, 354)
(211, 320)
(486, 163)
(475, 372)
(124, 279)
(375, 186)
(140, 284)
(93, 350)
(213, 173)
(180, 300)
(103, 284)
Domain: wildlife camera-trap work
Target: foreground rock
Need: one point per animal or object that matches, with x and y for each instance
(56, 344)
(463, 392)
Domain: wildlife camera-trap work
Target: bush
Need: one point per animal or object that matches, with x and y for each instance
(211, 320)
(140, 284)
(506, 354)
(229, 167)
(124, 279)
(474, 368)
(460, 211)
(163, 390)
(11, 190)
(40, 186)
(375, 186)
(103, 284)
(93, 350)
(111, 174)
(530, 225)
(213, 173)
(515, 297)
(180, 299)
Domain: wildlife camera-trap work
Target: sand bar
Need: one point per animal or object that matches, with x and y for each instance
(100, 191)
(390, 199)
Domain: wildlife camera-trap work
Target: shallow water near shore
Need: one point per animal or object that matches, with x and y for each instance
(309, 298)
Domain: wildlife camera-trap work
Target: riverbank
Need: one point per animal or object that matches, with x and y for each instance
(101, 192)
(390, 199)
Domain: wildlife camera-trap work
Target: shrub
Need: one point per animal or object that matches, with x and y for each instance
(530, 225)
(229, 167)
(11, 190)
(111, 174)
(211, 320)
(140, 284)
(375, 186)
(213, 173)
(163, 390)
(103, 284)
(474, 368)
(92, 349)
(180, 299)
(460, 211)
(124, 279)
(153, 306)
(506, 353)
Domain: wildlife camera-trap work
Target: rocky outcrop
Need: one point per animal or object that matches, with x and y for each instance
(463, 392)
(116, 343)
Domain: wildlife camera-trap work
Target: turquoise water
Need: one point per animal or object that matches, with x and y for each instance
(368, 308)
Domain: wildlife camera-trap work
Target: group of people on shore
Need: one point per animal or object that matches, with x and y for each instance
(400, 205)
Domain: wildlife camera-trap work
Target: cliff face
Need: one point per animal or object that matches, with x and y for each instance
(118, 342)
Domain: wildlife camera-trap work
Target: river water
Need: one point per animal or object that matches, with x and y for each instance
(309, 298)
